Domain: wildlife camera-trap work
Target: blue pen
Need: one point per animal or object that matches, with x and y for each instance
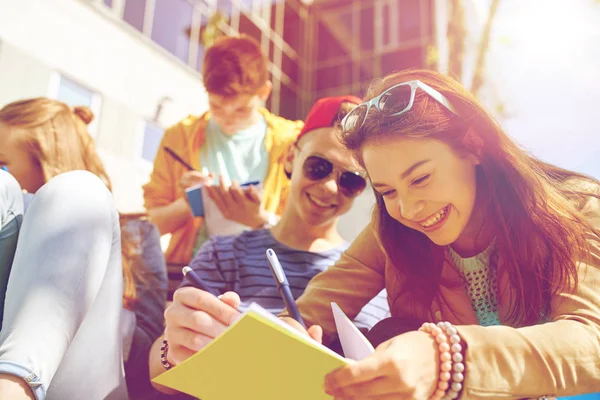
(251, 183)
(197, 282)
(284, 287)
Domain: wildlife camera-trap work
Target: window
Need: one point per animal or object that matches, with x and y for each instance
(410, 20)
(386, 31)
(172, 19)
(288, 105)
(151, 136)
(75, 94)
(293, 27)
(290, 68)
(134, 13)
(248, 27)
(334, 76)
(329, 47)
(401, 59)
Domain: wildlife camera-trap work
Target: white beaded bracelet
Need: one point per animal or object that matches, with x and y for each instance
(451, 360)
(458, 366)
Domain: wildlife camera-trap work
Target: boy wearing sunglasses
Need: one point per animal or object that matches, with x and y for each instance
(325, 180)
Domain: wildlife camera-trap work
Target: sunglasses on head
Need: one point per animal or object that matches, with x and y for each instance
(393, 101)
(317, 168)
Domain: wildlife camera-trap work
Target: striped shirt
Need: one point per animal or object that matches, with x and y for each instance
(239, 264)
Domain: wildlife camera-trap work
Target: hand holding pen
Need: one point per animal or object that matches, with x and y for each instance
(196, 317)
(193, 177)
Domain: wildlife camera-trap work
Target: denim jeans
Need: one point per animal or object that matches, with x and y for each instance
(61, 325)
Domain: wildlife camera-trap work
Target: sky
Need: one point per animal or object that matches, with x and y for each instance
(544, 66)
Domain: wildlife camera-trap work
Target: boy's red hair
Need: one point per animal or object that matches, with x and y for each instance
(234, 66)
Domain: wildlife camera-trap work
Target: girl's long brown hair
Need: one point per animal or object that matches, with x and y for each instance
(533, 207)
(57, 138)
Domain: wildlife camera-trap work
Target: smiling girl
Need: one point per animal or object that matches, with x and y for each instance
(495, 252)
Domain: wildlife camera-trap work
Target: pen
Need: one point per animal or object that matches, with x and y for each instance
(251, 183)
(197, 282)
(284, 287)
(177, 158)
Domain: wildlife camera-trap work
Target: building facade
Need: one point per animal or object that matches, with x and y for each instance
(136, 63)
(315, 48)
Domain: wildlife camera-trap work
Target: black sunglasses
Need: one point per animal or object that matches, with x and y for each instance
(350, 183)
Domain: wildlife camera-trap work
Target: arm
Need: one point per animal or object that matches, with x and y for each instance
(214, 318)
(363, 262)
(193, 320)
(171, 217)
(155, 367)
(558, 358)
(166, 206)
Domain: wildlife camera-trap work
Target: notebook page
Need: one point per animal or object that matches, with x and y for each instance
(283, 326)
(355, 345)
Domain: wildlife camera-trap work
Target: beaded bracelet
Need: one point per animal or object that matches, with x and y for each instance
(164, 348)
(451, 359)
(458, 366)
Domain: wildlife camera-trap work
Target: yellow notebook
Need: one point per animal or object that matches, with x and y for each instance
(256, 358)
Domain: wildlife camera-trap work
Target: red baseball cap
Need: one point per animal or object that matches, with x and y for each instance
(324, 112)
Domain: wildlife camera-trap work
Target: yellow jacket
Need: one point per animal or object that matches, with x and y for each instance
(509, 362)
(186, 139)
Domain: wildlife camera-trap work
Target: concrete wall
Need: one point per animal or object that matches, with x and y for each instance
(43, 39)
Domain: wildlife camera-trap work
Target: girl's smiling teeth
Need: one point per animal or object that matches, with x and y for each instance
(435, 218)
(318, 202)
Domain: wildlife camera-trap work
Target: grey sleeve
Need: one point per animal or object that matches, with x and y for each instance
(11, 217)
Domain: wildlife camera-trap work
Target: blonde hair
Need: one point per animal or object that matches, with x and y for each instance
(56, 137)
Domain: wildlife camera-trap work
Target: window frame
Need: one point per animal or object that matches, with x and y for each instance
(96, 99)
(139, 143)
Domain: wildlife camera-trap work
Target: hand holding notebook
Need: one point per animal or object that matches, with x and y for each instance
(266, 358)
(196, 199)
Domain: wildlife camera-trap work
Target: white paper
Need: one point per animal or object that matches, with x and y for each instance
(216, 223)
(355, 345)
